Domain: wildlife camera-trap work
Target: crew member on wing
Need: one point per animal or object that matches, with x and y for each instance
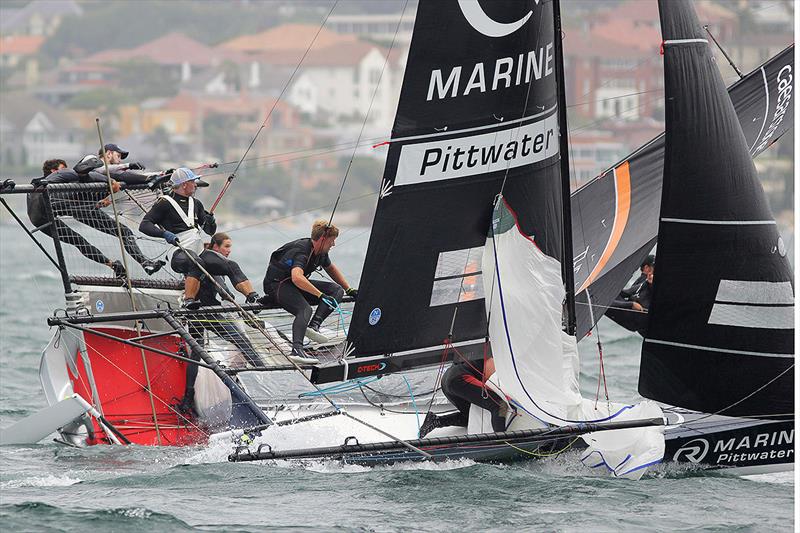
(629, 309)
(181, 220)
(89, 213)
(287, 285)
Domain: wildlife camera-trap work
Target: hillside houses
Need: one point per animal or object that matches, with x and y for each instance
(31, 132)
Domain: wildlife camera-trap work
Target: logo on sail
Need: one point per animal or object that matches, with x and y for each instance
(375, 316)
(478, 154)
(486, 25)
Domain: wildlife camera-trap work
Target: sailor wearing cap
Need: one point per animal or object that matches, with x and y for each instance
(181, 220)
(630, 308)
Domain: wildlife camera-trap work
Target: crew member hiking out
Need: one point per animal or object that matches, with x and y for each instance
(464, 384)
(87, 212)
(215, 258)
(181, 220)
(629, 309)
(287, 285)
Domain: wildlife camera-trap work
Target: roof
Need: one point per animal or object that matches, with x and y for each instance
(88, 67)
(583, 45)
(19, 109)
(14, 18)
(349, 53)
(172, 49)
(22, 45)
(286, 37)
(238, 104)
(628, 33)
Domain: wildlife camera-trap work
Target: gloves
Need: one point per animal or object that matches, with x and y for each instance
(171, 238)
(209, 218)
(135, 166)
(157, 181)
(7, 185)
(252, 297)
(352, 291)
(327, 300)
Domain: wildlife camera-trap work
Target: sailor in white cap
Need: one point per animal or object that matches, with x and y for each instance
(180, 219)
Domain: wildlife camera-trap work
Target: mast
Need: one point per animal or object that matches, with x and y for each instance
(567, 272)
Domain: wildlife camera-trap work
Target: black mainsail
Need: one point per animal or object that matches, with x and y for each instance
(612, 237)
(477, 114)
(721, 333)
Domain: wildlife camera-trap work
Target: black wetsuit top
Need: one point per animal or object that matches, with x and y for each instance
(293, 254)
(164, 215)
(621, 309)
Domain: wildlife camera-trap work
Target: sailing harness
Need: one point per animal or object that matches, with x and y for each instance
(192, 238)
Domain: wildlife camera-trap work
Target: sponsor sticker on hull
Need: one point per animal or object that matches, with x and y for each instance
(738, 448)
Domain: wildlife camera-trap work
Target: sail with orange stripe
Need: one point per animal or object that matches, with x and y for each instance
(615, 216)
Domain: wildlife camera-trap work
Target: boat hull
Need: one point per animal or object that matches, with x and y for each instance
(743, 445)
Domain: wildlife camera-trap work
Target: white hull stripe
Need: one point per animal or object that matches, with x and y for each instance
(721, 222)
(720, 350)
(476, 128)
(748, 316)
(684, 41)
(755, 292)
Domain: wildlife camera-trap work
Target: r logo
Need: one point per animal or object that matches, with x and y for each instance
(693, 451)
(479, 20)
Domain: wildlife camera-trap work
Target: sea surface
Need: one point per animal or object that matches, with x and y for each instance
(50, 487)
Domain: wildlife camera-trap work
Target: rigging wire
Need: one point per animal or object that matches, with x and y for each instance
(251, 319)
(366, 116)
(128, 278)
(138, 384)
(277, 100)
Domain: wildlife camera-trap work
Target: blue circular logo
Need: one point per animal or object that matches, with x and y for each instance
(375, 316)
(99, 305)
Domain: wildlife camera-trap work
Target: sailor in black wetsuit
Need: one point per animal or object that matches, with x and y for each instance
(215, 258)
(286, 283)
(629, 309)
(464, 384)
(181, 220)
(87, 212)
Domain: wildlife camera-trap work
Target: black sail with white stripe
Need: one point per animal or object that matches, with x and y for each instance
(721, 331)
(477, 109)
(631, 191)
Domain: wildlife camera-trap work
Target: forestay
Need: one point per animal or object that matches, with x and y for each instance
(721, 333)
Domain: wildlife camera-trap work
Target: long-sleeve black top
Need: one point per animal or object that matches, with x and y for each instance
(162, 216)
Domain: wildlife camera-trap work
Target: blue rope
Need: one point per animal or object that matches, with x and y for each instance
(333, 304)
(414, 403)
(339, 387)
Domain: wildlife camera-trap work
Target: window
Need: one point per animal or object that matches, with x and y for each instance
(458, 277)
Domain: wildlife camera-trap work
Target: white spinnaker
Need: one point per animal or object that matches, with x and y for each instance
(536, 363)
(524, 303)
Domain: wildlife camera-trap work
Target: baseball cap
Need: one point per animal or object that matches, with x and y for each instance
(183, 174)
(111, 146)
(650, 260)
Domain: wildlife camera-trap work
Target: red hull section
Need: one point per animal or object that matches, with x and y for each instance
(121, 383)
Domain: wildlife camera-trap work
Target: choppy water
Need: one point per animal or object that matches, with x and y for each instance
(51, 487)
